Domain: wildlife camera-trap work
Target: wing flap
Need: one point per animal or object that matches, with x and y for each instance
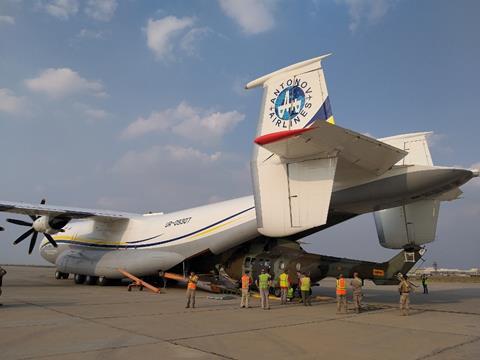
(327, 140)
(71, 212)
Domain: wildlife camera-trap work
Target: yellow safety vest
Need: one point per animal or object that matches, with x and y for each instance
(263, 281)
(305, 286)
(283, 280)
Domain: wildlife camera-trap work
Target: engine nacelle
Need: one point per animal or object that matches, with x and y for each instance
(45, 224)
(408, 226)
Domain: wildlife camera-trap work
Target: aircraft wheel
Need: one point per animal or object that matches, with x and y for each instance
(91, 280)
(58, 275)
(65, 276)
(79, 279)
(102, 281)
(277, 292)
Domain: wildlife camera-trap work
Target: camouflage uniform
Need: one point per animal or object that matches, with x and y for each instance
(356, 284)
(2, 273)
(404, 289)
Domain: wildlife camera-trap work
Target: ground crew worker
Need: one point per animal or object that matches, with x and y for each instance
(284, 282)
(356, 284)
(404, 288)
(263, 284)
(191, 289)
(305, 288)
(424, 284)
(341, 291)
(2, 273)
(290, 294)
(246, 282)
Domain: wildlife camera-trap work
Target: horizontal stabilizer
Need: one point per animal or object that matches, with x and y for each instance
(327, 140)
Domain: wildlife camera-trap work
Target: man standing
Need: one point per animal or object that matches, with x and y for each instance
(305, 288)
(263, 284)
(2, 273)
(356, 284)
(404, 289)
(191, 289)
(246, 282)
(284, 282)
(341, 291)
(424, 283)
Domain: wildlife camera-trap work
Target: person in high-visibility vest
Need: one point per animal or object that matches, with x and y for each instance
(305, 287)
(341, 294)
(246, 282)
(191, 289)
(290, 294)
(284, 282)
(263, 284)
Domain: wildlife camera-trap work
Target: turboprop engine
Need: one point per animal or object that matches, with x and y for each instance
(41, 224)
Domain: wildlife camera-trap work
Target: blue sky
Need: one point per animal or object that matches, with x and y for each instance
(139, 106)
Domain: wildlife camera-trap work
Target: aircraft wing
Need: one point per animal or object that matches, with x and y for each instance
(70, 212)
(328, 140)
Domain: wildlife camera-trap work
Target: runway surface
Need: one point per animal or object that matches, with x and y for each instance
(44, 318)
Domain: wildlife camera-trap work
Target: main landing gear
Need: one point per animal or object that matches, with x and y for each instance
(60, 275)
(91, 280)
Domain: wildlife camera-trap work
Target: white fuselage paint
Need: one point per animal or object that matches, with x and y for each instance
(146, 244)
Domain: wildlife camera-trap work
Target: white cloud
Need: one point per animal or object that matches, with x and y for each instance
(253, 16)
(61, 82)
(91, 34)
(10, 103)
(61, 9)
(7, 20)
(161, 33)
(371, 10)
(102, 10)
(191, 38)
(97, 114)
(201, 125)
(159, 156)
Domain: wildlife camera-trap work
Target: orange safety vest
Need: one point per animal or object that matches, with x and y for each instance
(192, 282)
(246, 281)
(341, 287)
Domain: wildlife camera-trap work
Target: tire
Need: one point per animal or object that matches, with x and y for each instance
(277, 292)
(79, 279)
(91, 280)
(65, 276)
(102, 281)
(58, 275)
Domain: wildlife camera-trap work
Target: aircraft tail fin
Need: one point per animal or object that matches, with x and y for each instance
(415, 144)
(403, 262)
(294, 97)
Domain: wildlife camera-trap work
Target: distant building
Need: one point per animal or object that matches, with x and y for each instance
(446, 272)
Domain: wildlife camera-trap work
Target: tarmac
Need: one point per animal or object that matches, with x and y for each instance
(44, 318)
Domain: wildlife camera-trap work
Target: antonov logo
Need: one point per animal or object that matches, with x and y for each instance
(290, 103)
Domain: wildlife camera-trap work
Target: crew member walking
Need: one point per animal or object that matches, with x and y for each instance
(356, 284)
(305, 288)
(246, 282)
(191, 289)
(2, 273)
(341, 291)
(284, 282)
(424, 283)
(263, 284)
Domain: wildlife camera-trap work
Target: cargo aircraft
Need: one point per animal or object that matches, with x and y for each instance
(308, 174)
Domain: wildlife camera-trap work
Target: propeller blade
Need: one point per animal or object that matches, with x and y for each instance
(50, 238)
(19, 222)
(23, 237)
(33, 217)
(1, 228)
(32, 242)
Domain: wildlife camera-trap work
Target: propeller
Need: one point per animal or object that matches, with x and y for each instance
(31, 231)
